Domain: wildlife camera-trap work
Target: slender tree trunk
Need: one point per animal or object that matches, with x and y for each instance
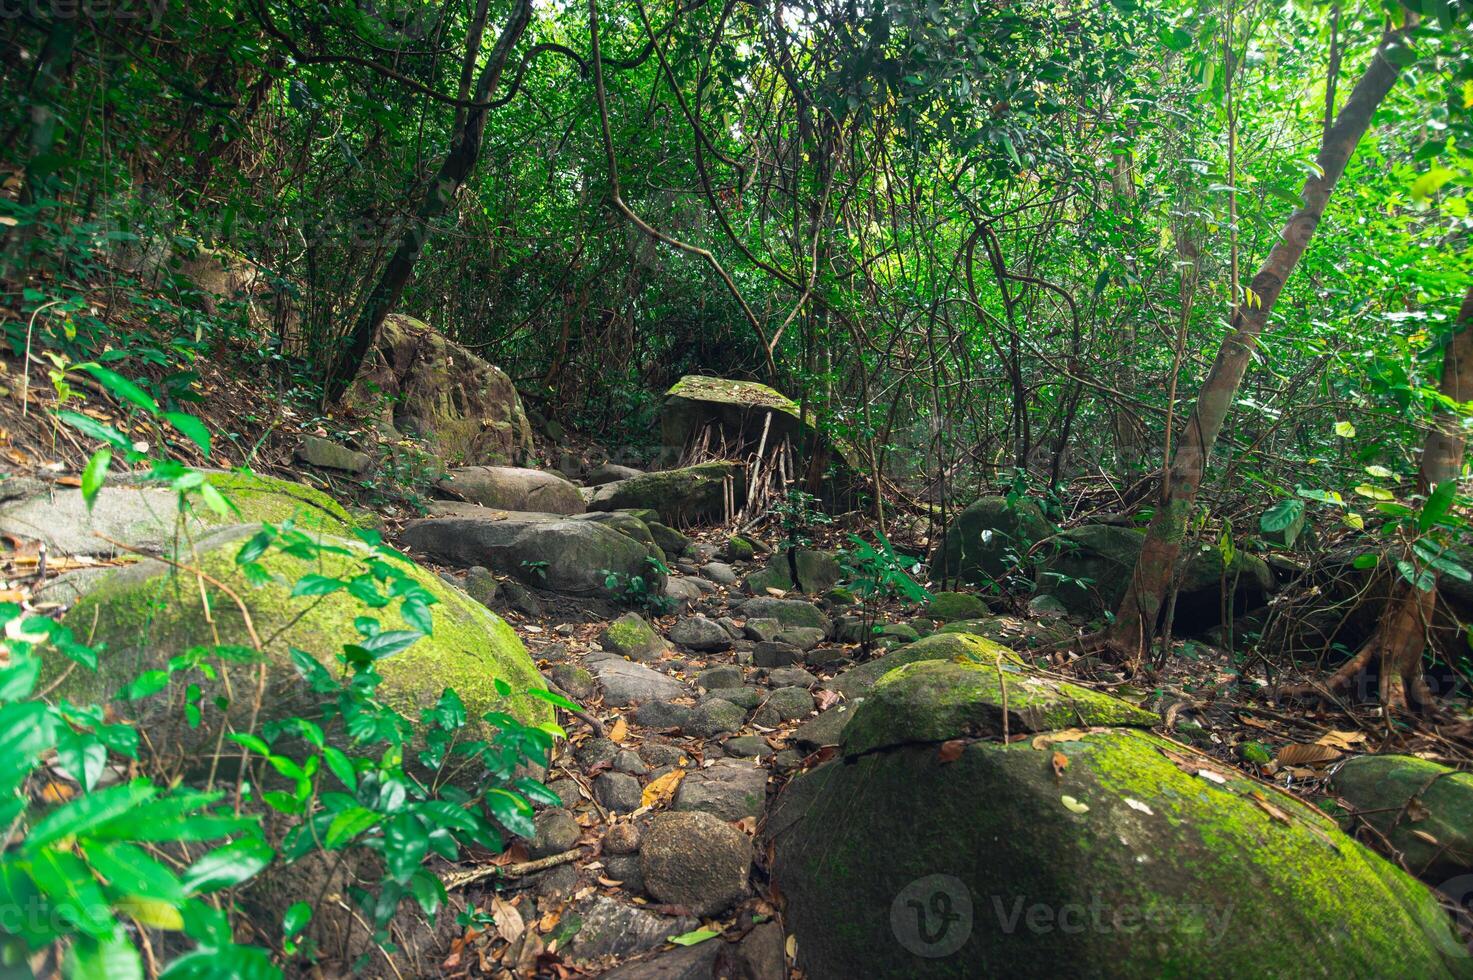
(1401, 636)
(1139, 611)
(439, 197)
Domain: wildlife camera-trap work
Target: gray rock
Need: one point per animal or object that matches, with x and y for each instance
(663, 754)
(556, 884)
(663, 714)
(328, 455)
(826, 656)
(784, 704)
(631, 636)
(762, 629)
(671, 541)
(716, 717)
(747, 747)
(563, 554)
(612, 929)
(521, 599)
(626, 683)
(621, 838)
(596, 751)
(574, 681)
(789, 612)
(775, 654)
(696, 861)
(728, 788)
(610, 473)
(823, 730)
(568, 791)
(683, 590)
(628, 760)
(481, 585)
(619, 792)
(700, 633)
(557, 832)
(744, 697)
(624, 868)
(802, 637)
(719, 572)
(514, 488)
(723, 676)
(790, 677)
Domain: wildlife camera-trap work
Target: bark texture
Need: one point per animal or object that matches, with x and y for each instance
(1139, 612)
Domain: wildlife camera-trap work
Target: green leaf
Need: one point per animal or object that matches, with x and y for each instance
(145, 685)
(405, 845)
(228, 866)
(94, 474)
(110, 957)
(295, 919)
(233, 961)
(122, 388)
(87, 812)
(428, 890)
(693, 937)
(130, 870)
(191, 428)
(1345, 430)
(82, 757)
(94, 429)
(1281, 516)
(348, 825)
(315, 585)
(1438, 504)
(63, 877)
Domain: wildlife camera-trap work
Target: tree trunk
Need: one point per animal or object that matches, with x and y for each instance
(1401, 636)
(457, 166)
(1139, 611)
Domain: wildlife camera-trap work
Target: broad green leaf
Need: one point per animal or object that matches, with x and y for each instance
(192, 429)
(693, 937)
(95, 474)
(228, 866)
(121, 387)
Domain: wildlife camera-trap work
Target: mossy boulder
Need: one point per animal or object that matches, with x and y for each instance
(630, 636)
(671, 542)
(857, 681)
(951, 606)
(430, 387)
(990, 538)
(145, 517)
(563, 555)
(147, 613)
(1422, 809)
(739, 548)
(817, 571)
(690, 495)
(788, 612)
(1089, 847)
(1088, 568)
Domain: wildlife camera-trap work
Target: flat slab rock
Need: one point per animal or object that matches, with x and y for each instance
(612, 929)
(626, 683)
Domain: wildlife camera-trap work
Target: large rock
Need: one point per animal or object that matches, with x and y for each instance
(856, 682)
(1095, 850)
(609, 928)
(146, 516)
(146, 613)
(1423, 810)
(626, 683)
(427, 386)
(568, 555)
(690, 495)
(736, 414)
(788, 612)
(1088, 568)
(990, 539)
(817, 572)
(514, 488)
(695, 861)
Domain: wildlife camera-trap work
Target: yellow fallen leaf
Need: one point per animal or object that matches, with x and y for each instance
(1073, 805)
(620, 731)
(1067, 735)
(660, 790)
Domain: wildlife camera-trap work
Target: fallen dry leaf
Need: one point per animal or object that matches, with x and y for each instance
(620, 731)
(660, 790)
(1051, 738)
(951, 751)
(1295, 754)
(1346, 741)
(508, 920)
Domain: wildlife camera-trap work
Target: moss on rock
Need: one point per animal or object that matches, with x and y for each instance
(1110, 852)
(681, 496)
(990, 538)
(147, 613)
(267, 499)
